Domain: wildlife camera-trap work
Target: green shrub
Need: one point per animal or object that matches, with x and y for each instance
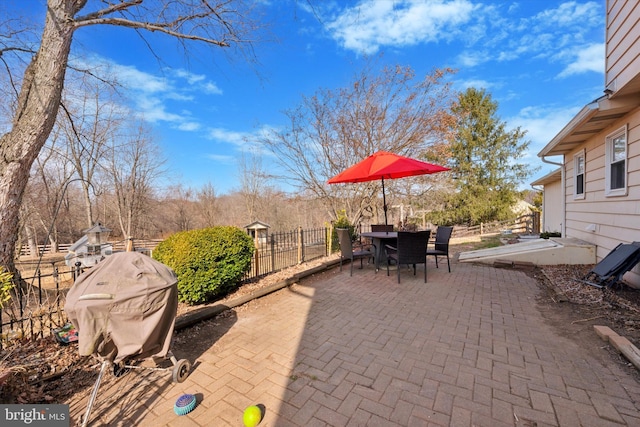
(6, 286)
(209, 262)
(341, 222)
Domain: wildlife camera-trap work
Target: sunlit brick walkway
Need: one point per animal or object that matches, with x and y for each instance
(468, 348)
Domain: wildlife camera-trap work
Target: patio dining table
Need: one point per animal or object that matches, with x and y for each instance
(380, 238)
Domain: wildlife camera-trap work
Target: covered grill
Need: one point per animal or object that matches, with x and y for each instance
(125, 308)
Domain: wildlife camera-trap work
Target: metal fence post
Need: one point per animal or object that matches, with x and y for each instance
(300, 246)
(256, 258)
(273, 252)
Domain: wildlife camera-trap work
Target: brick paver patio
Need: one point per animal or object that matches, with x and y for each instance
(469, 348)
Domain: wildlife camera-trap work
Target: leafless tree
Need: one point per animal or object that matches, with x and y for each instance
(208, 205)
(50, 175)
(134, 164)
(178, 208)
(388, 110)
(90, 125)
(254, 183)
(38, 93)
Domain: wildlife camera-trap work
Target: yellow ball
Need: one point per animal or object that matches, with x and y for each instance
(252, 416)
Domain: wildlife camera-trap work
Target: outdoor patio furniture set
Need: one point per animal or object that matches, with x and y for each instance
(398, 247)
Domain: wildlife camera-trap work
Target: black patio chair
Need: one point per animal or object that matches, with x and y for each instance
(351, 252)
(609, 271)
(441, 244)
(383, 228)
(410, 249)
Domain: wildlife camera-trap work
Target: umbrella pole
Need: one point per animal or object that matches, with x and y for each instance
(384, 203)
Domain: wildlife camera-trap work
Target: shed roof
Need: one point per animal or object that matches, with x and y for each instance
(255, 225)
(550, 178)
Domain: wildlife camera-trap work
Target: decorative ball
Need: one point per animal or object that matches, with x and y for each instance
(252, 416)
(185, 404)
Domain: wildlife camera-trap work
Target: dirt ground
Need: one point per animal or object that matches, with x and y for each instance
(44, 371)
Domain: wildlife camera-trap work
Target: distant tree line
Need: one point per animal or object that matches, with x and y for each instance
(73, 155)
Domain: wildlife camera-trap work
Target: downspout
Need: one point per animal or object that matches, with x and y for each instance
(564, 196)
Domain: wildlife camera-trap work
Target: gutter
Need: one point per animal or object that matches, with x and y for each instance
(583, 115)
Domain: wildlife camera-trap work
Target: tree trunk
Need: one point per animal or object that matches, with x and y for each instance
(87, 204)
(31, 241)
(37, 107)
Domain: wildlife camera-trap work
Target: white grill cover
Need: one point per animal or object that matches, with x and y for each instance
(124, 307)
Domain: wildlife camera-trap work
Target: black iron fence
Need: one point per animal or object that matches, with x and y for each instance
(37, 309)
(285, 249)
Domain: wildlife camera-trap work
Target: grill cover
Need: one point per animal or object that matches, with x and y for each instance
(124, 307)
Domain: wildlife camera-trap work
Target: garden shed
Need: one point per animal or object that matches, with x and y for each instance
(259, 231)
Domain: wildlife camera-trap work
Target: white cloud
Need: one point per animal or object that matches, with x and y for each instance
(469, 59)
(236, 138)
(221, 158)
(153, 110)
(571, 14)
(542, 124)
(476, 83)
(138, 80)
(212, 88)
(590, 58)
(243, 141)
(373, 24)
(153, 96)
(189, 126)
(498, 33)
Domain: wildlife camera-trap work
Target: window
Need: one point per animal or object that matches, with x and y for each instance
(616, 163)
(578, 173)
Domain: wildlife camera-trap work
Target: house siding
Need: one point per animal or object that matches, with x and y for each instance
(606, 221)
(622, 59)
(598, 219)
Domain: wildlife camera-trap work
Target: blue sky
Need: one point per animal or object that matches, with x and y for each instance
(541, 60)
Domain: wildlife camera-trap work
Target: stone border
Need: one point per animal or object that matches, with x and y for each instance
(621, 344)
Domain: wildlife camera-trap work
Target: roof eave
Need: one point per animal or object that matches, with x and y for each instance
(591, 120)
(583, 116)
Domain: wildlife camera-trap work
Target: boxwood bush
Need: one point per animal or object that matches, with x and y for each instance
(209, 262)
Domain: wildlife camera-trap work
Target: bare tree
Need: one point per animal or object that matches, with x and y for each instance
(219, 23)
(208, 205)
(89, 125)
(254, 181)
(50, 175)
(134, 164)
(388, 110)
(179, 206)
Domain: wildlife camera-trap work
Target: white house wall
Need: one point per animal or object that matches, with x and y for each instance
(551, 209)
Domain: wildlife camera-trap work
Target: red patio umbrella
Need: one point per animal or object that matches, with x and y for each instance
(387, 165)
